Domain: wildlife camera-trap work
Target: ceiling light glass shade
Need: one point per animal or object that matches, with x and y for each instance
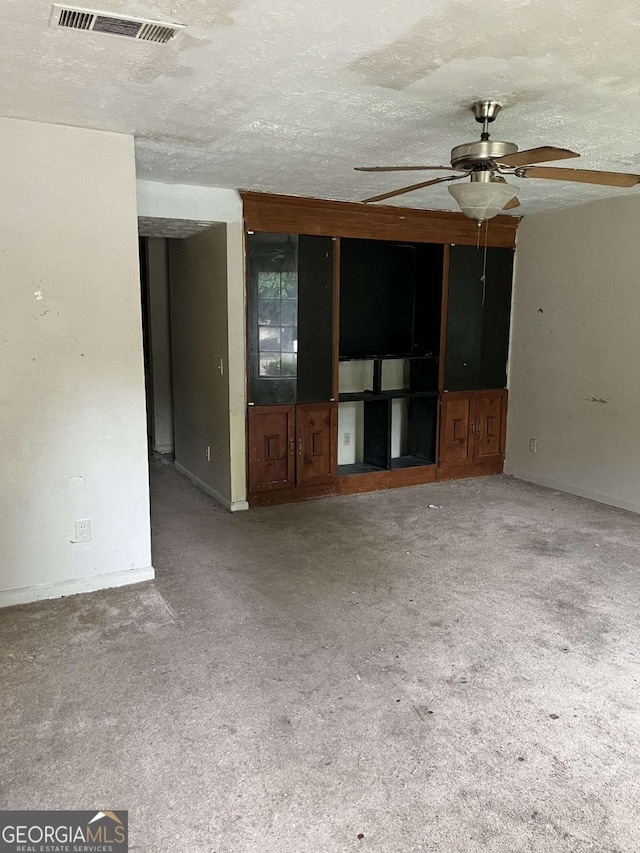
(482, 200)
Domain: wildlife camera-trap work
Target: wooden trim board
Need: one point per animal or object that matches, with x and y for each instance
(321, 217)
(473, 469)
(293, 495)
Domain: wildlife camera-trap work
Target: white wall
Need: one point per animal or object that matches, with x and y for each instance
(184, 201)
(574, 382)
(160, 390)
(72, 403)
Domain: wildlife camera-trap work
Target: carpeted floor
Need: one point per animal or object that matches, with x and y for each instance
(348, 674)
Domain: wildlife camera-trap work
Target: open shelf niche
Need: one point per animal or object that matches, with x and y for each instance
(383, 422)
(390, 309)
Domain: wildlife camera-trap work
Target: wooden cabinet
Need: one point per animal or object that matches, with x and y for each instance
(472, 433)
(490, 424)
(316, 424)
(271, 448)
(398, 316)
(456, 419)
(292, 452)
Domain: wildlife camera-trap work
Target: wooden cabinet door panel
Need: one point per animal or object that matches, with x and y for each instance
(490, 425)
(455, 429)
(316, 430)
(271, 448)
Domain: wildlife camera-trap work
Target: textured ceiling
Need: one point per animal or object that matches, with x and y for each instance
(287, 96)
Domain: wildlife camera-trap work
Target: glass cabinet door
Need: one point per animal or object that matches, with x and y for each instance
(290, 318)
(273, 318)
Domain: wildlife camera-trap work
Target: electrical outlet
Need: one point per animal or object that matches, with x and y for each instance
(533, 445)
(208, 453)
(346, 439)
(83, 530)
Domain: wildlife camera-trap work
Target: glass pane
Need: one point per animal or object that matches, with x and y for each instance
(269, 339)
(268, 312)
(269, 285)
(289, 284)
(269, 364)
(289, 364)
(289, 315)
(273, 290)
(287, 339)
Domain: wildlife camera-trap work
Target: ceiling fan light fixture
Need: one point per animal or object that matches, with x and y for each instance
(482, 200)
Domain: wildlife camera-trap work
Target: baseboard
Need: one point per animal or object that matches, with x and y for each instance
(562, 486)
(234, 506)
(74, 586)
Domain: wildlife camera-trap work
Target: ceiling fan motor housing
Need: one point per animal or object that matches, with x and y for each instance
(471, 155)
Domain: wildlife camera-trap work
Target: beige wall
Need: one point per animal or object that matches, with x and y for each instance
(575, 352)
(236, 325)
(200, 346)
(72, 404)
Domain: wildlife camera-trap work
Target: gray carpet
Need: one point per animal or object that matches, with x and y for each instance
(348, 674)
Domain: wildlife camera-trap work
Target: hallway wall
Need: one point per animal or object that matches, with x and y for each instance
(200, 345)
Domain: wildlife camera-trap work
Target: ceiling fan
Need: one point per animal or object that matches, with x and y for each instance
(487, 161)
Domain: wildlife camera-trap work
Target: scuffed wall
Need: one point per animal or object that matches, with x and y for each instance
(72, 404)
(574, 383)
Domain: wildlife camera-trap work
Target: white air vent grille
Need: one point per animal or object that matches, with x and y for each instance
(156, 32)
(75, 20)
(140, 29)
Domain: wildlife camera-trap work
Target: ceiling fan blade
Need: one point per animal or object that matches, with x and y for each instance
(511, 204)
(498, 179)
(581, 176)
(543, 154)
(411, 188)
(405, 169)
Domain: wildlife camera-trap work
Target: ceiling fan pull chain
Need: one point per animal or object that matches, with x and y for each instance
(483, 278)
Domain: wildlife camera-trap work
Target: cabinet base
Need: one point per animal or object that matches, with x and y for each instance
(375, 481)
(477, 469)
(353, 484)
(288, 496)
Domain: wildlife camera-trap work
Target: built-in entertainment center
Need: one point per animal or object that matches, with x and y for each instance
(377, 346)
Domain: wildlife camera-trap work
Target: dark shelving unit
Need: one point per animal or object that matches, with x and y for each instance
(390, 308)
(422, 406)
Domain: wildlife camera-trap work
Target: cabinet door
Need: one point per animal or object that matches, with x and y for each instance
(490, 416)
(290, 318)
(316, 430)
(271, 448)
(456, 417)
(478, 314)
(315, 319)
(272, 303)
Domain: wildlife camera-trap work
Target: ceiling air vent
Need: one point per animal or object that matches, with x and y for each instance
(140, 29)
